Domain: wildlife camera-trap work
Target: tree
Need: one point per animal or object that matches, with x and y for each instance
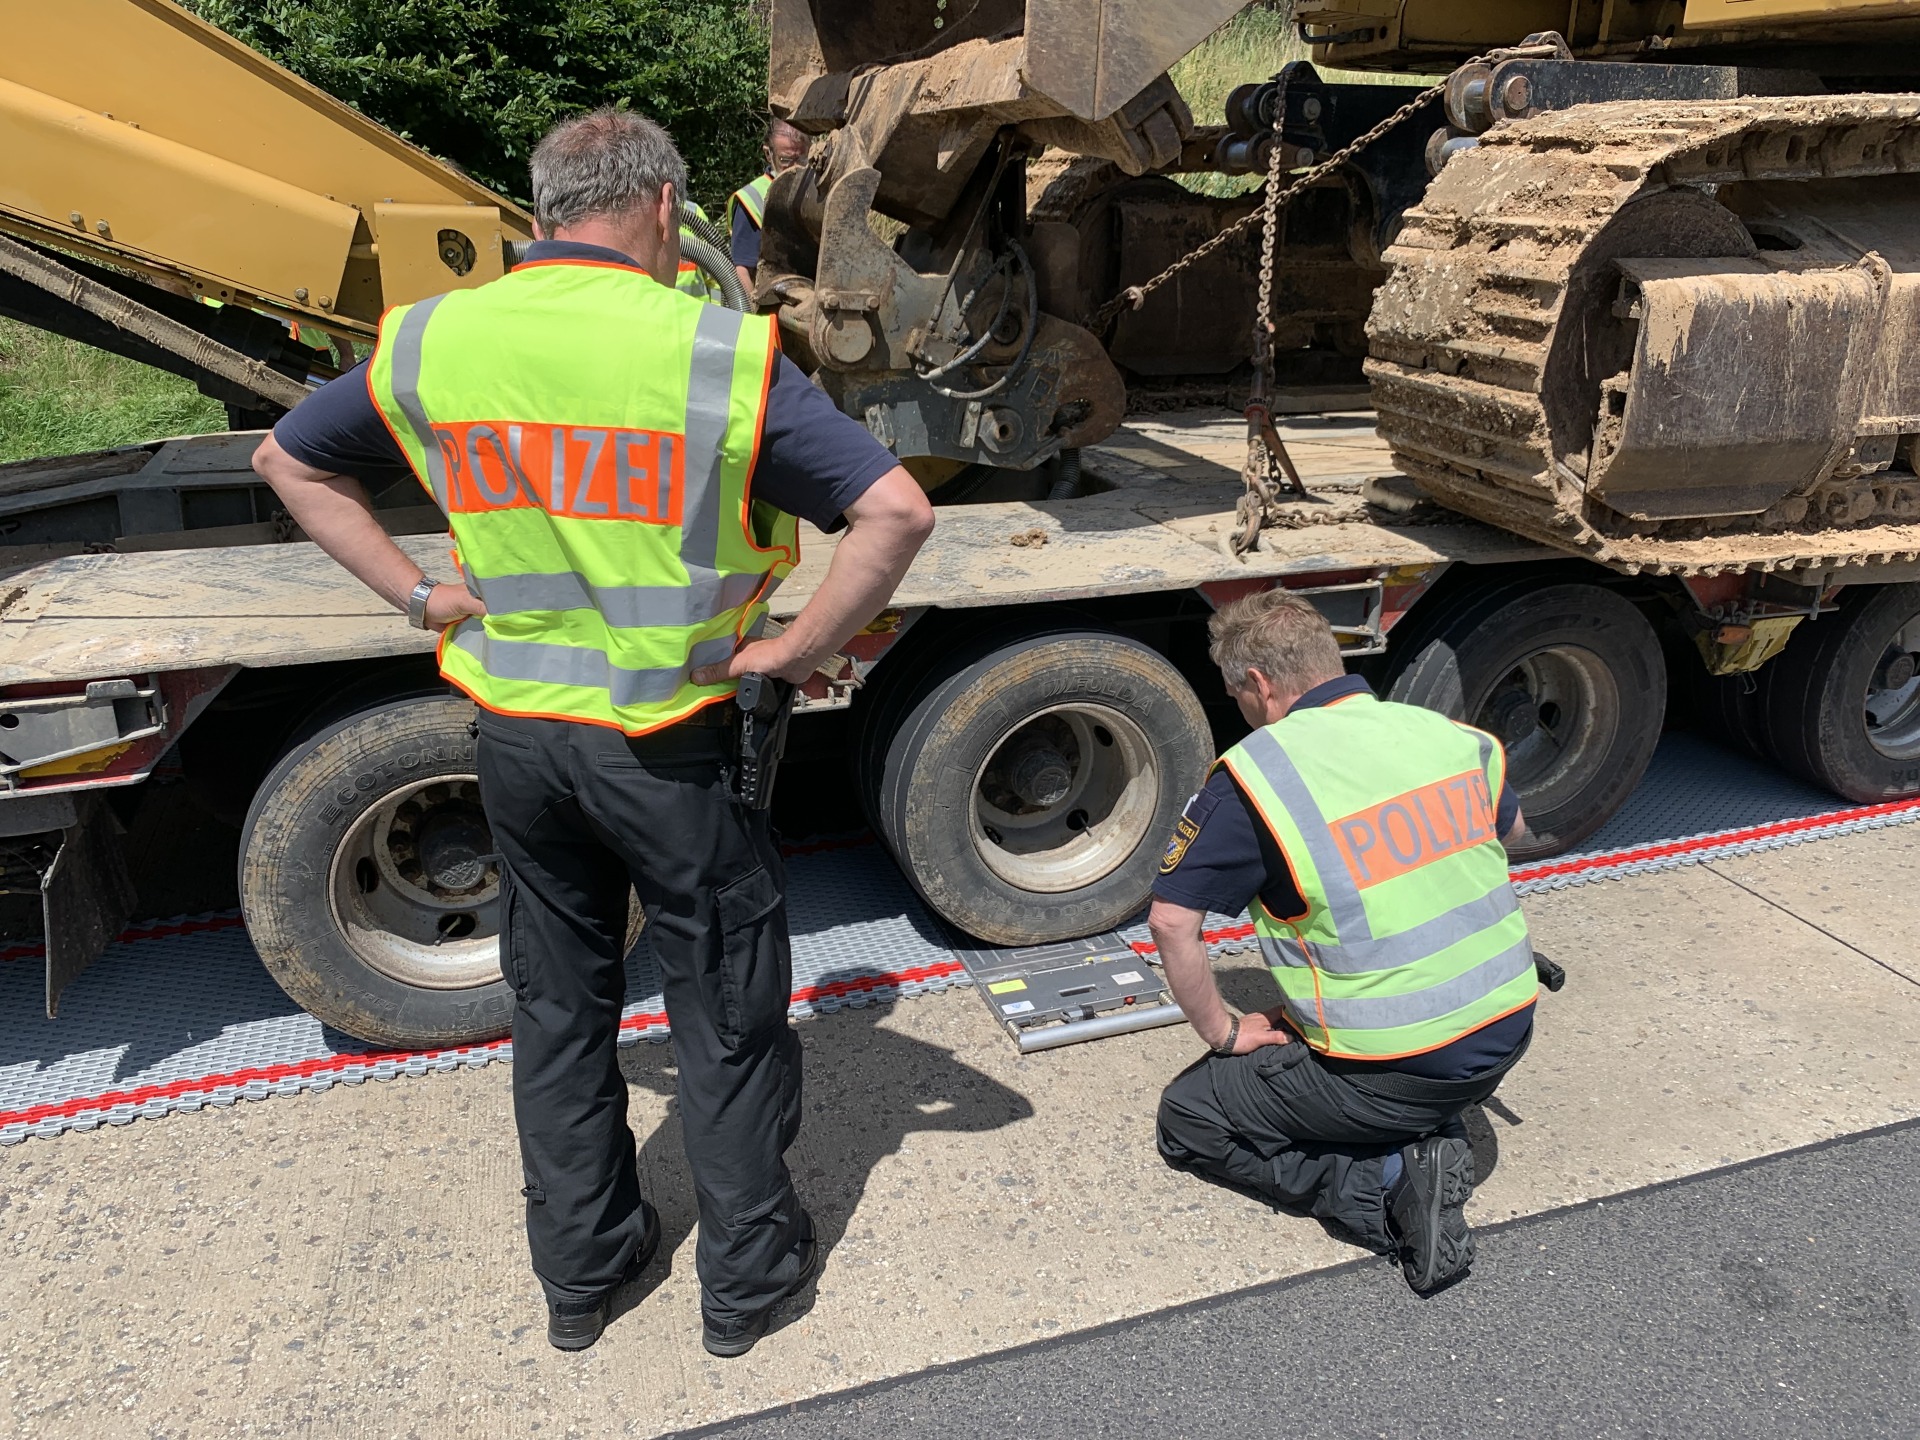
(478, 82)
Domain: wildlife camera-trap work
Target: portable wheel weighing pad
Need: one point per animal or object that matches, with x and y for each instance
(1051, 995)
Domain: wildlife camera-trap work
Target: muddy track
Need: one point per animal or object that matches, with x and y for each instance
(1464, 329)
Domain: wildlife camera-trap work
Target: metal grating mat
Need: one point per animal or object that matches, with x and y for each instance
(180, 1014)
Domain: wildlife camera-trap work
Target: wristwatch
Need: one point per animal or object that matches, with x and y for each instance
(1225, 1047)
(417, 603)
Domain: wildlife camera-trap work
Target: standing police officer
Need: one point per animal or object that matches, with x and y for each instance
(1365, 838)
(785, 148)
(621, 466)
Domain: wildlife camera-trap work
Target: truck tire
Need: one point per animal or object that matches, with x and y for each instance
(1029, 788)
(1571, 679)
(365, 881)
(1843, 699)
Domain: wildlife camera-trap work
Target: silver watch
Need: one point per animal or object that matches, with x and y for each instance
(417, 603)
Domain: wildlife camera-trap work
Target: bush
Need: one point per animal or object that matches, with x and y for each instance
(479, 81)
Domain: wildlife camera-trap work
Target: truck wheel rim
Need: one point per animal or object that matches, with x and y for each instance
(415, 889)
(1064, 800)
(1892, 705)
(1557, 712)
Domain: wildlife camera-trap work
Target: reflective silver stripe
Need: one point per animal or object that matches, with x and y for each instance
(1343, 896)
(1409, 947)
(1389, 1012)
(709, 400)
(405, 366)
(578, 665)
(623, 606)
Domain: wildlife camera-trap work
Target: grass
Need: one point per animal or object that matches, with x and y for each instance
(59, 397)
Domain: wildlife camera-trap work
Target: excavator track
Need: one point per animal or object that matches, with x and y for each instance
(1464, 330)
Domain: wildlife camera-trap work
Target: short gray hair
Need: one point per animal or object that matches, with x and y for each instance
(603, 163)
(1281, 635)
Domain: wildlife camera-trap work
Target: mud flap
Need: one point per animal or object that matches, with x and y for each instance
(86, 895)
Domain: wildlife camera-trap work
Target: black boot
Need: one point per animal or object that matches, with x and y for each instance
(729, 1341)
(576, 1324)
(1424, 1211)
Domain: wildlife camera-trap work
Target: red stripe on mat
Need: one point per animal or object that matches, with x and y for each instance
(1668, 848)
(334, 1064)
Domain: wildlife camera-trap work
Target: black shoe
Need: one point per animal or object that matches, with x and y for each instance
(576, 1324)
(734, 1340)
(1424, 1211)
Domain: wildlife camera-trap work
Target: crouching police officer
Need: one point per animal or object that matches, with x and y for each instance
(621, 466)
(1365, 838)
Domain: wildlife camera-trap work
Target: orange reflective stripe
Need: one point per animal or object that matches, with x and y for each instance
(574, 471)
(1415, 829)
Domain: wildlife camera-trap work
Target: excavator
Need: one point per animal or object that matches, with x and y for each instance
(1629, 287)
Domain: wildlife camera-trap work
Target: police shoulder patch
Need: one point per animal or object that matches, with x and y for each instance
(1184, 831)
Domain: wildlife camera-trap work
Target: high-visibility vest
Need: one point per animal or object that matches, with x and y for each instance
(752, 198)
(692, 280)
(1411, 936)
(590, 434)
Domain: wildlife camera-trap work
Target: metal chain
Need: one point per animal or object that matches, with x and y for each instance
(1135, 295)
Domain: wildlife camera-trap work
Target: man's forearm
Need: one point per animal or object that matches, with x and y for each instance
(336, 515)
(867, 566)
(1189, 971)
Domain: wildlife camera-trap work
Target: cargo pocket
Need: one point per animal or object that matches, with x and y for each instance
(513, 950)
(753, 957)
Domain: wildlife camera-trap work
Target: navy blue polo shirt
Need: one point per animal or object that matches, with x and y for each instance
(744, 241)
(814, 461)
(1230, 856)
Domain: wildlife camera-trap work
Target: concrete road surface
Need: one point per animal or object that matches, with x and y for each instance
(350, 1263)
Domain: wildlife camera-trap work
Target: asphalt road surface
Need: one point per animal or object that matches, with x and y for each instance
(1776, 1298)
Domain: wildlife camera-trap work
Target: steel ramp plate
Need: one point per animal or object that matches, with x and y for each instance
(1052, 995)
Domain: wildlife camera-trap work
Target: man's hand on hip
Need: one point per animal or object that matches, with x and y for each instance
(885, 529)
(759, 657)
(450, 604)
(1257, 1031)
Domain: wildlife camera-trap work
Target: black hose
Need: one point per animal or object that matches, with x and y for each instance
(1067, 484)
(715, 264)
(1032, 331)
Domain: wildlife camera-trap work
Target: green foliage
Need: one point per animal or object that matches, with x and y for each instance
(479, 81)
(59, 397)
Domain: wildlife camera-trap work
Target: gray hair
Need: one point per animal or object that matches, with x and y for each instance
(1281, 635)
(604, 163)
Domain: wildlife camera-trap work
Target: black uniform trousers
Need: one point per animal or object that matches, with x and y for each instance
(1309, 1135)
(580, 812)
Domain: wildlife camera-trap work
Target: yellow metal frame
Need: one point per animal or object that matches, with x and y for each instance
(135, 133)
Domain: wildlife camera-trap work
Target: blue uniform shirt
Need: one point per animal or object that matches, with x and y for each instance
(813, 460)
(1223, 855)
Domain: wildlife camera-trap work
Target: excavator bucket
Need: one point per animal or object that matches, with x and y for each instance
(1090, 57)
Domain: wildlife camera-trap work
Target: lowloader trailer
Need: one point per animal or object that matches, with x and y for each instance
(1026, 721)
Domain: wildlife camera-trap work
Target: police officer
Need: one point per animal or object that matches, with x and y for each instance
(621, 465)
(785, 148)
(1364, 837)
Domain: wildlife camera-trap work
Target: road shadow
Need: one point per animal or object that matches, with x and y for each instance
(867, 1088)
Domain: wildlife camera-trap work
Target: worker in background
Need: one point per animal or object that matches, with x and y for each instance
(785, 148)
(1364, 837)
(621, 466)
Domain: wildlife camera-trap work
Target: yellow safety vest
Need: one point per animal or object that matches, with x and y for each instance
(1386, 814)
(752, 198)
(590, 434)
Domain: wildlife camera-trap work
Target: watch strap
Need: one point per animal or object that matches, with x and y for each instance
(417, 603)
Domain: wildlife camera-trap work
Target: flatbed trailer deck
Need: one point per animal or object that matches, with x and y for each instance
(1025, 720)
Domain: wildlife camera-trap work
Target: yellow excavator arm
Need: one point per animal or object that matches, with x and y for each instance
(138, 135)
